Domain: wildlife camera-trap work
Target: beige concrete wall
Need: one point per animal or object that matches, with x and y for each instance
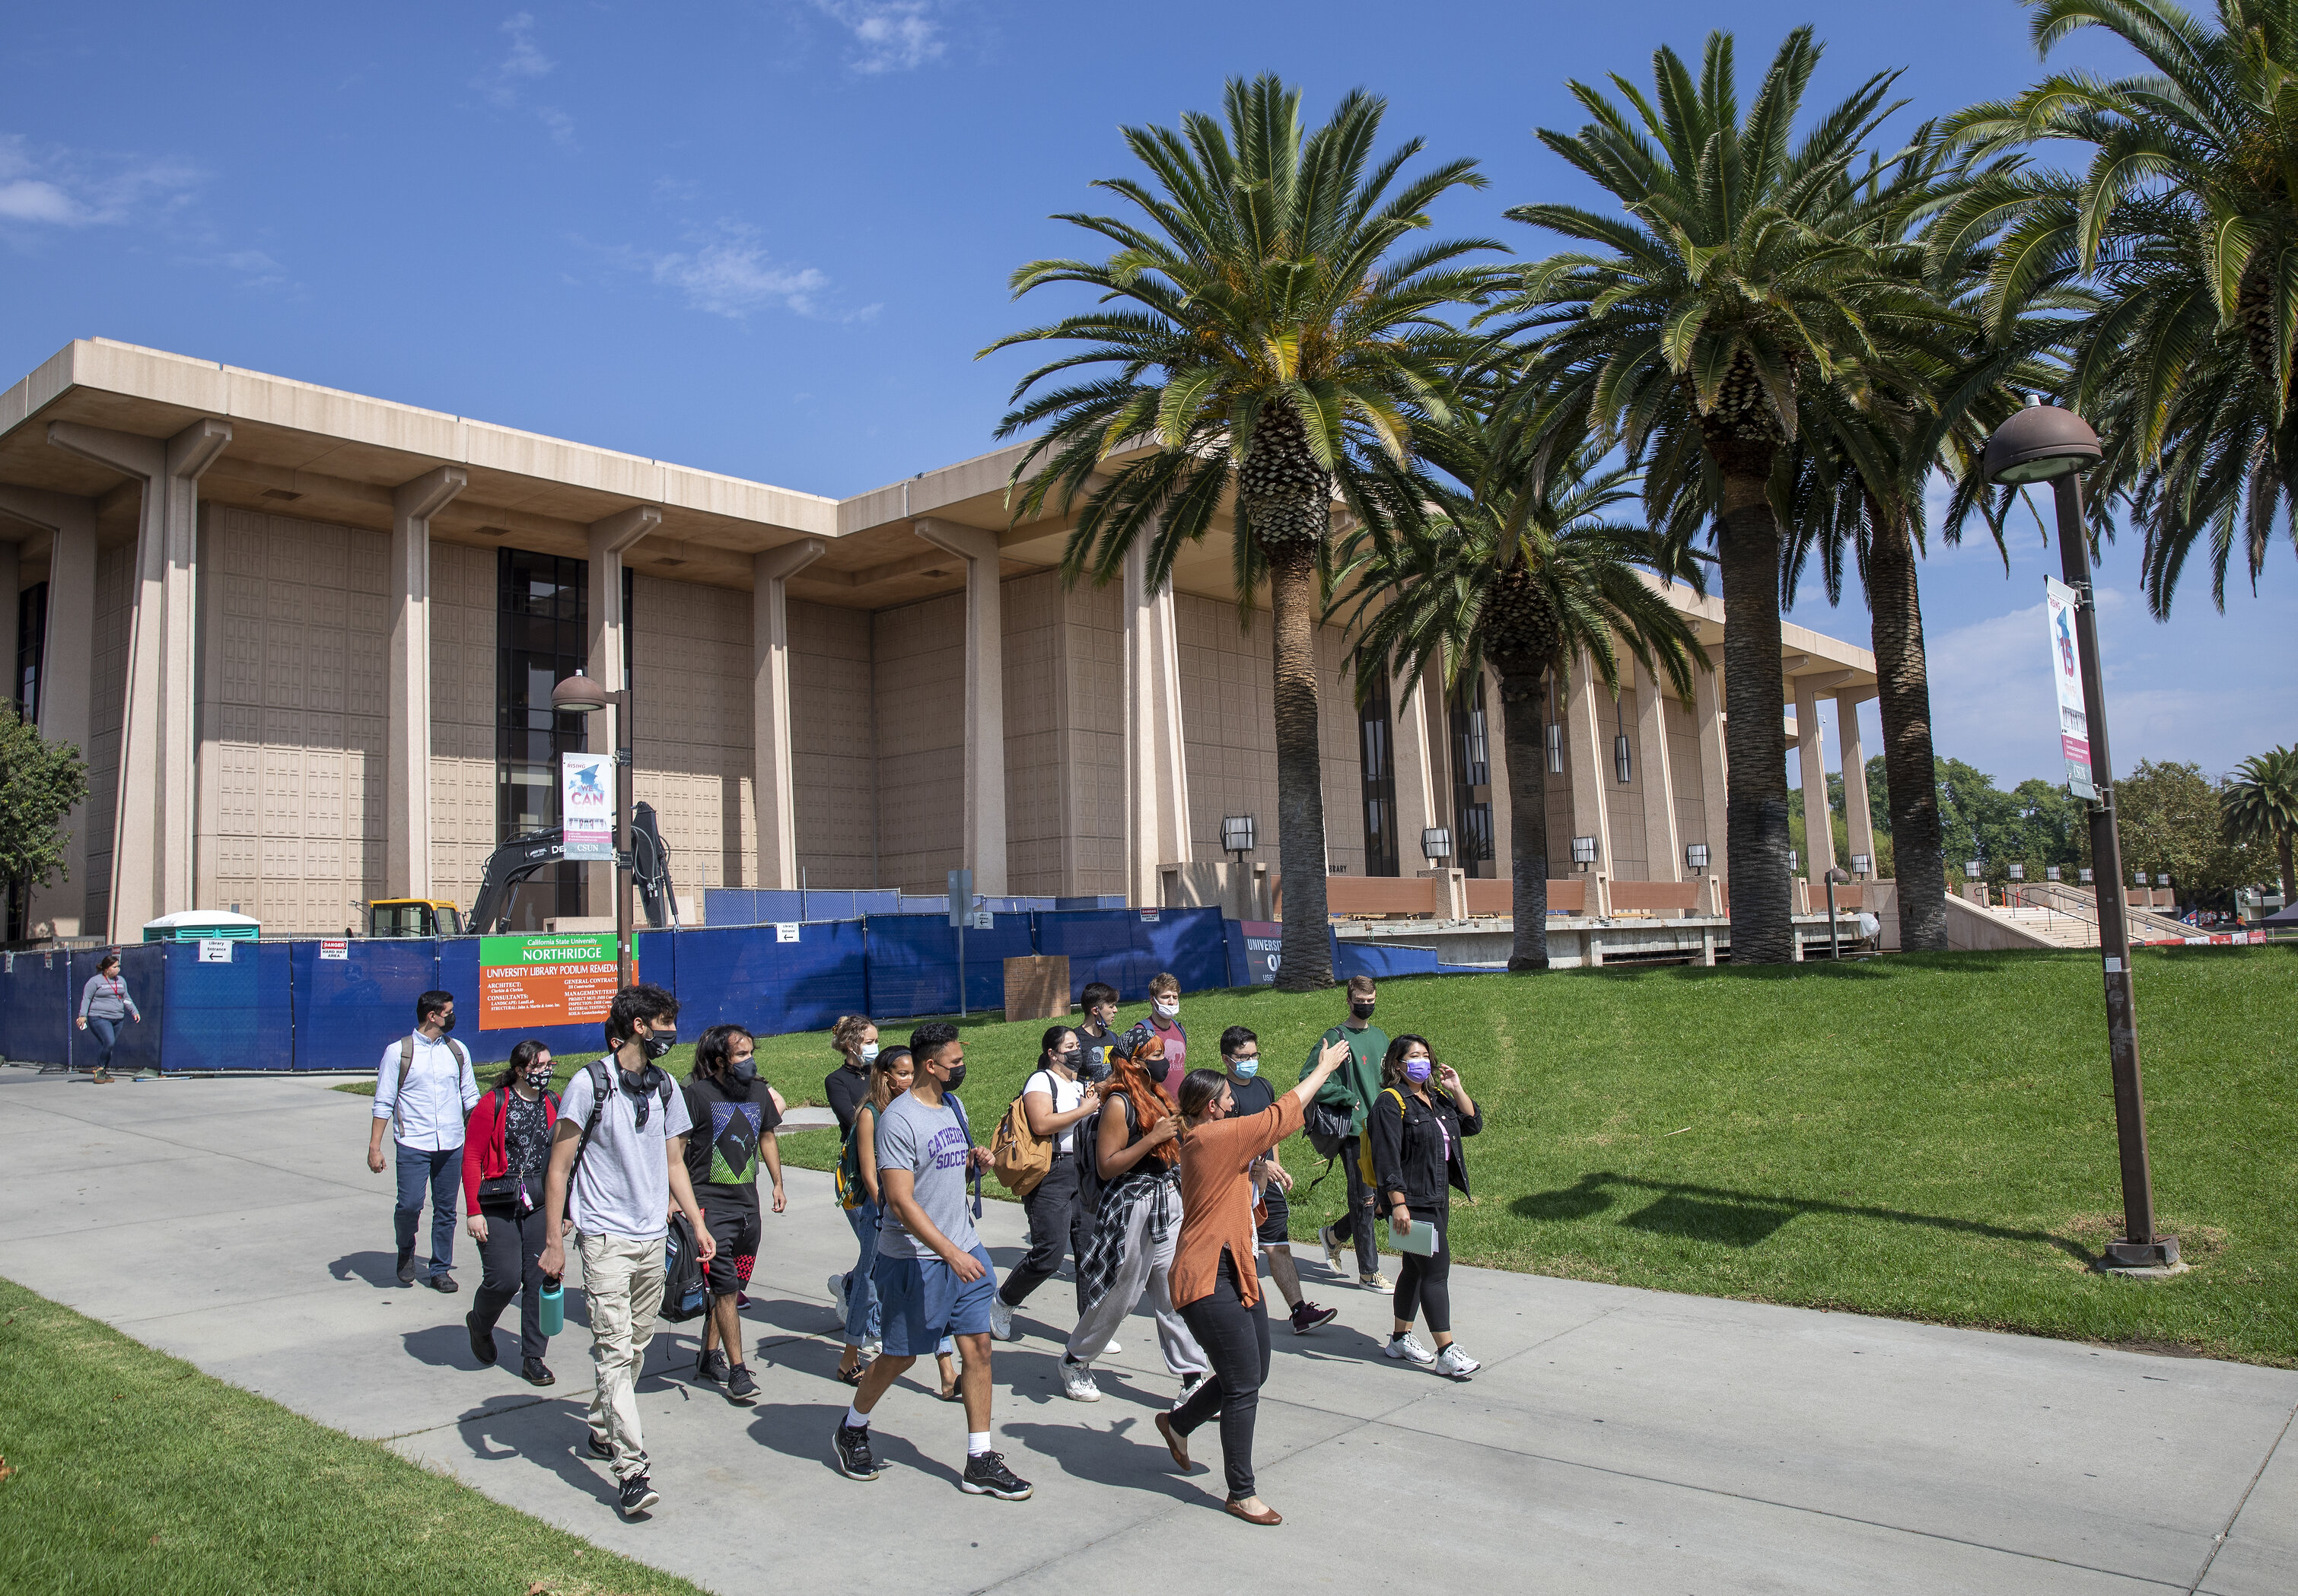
(465, 631)
(1230, 726)
(834, 772)
(115, 573)
(691, 669)
(1692, 821)
(292, 719)
(918, 699)
(1035, 621)
(1623, 805)
(1093, 741)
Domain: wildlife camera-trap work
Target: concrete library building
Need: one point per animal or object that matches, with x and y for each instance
(306, 641)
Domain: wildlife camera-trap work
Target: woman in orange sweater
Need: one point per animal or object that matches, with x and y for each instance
(1214, 1283)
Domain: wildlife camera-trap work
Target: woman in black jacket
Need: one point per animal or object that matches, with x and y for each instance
(1417, 1161)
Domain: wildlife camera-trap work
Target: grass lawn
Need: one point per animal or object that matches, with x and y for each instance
(1925, 1137)
(129, 1471)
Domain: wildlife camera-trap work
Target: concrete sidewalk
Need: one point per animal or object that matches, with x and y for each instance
(1617, 1441)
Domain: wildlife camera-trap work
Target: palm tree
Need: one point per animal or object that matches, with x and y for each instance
(1689, 333)
(1269, 339)
(2262, 806)
(2185, 217)
(1524, 577)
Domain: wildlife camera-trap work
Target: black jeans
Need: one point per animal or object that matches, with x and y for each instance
(1425, 1285)
(511, 1254)
(1056, 1220)
(1358, 1224)
(1235, 1339)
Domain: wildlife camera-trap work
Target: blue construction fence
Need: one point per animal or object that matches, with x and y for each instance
(338, 1005)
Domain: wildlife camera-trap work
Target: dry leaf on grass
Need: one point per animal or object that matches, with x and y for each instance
(5, 1470)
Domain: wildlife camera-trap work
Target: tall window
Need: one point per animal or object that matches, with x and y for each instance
(542, 622)
(1379, 782)
(1472, 781)
(31, 646)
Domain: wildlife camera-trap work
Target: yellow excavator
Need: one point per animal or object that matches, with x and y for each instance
(413, 916)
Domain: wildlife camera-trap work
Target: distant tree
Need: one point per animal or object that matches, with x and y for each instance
(40, 782)
(2260, 805)
(2036, 825)
(2172, 823)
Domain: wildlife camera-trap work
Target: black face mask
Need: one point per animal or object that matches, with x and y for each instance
(663, 1040)
(1363, 1011)
(742, 1071)
(956, 1079)
(446, 1025)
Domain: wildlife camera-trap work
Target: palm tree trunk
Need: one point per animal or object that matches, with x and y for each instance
(1305, 961)
(2289, 885)
(1903, 695)
(1527, 783)
(1754, 742)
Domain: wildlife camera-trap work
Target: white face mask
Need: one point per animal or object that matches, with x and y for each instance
(869, 1052)
(1167, 1009)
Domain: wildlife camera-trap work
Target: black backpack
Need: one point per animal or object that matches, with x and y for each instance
(685, 1282)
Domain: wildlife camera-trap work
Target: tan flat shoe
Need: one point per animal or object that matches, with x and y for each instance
(1267, 1516)
(1176, 1442)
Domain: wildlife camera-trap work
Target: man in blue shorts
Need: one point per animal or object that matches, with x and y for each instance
(934, 1275)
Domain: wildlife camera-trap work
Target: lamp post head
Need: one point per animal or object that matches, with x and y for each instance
(1236, 833)
(578, 695)
(1583, 852)
(2039, 443)
(1972, 869)
(1861, 864)
(1436, 843)
(2018, 872)
(1695, 856)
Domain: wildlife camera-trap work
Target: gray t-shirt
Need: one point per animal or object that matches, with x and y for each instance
(622, 1186)
(932, 1145)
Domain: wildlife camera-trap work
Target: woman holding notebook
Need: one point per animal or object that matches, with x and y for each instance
(1417, 1161)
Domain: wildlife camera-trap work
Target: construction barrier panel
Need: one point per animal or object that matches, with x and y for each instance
(740, 978)
(41, 992)
(142, 966)
(1380, 961)
(912, 963)
(227, 1007)
(349, 1009)
(1125, 947)
(766, 905)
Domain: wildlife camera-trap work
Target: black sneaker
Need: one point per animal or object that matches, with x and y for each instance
(1309, 1316)
(711, 1367)
(740, 1386)
(482, 1342)
(638, 1494)
(534, 1371)
(851, 1447)
(444, 1285)
(600, 1448)
(986, 1474)
(407, 1269)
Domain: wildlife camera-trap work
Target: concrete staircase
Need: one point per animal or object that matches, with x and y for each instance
(2049, 925)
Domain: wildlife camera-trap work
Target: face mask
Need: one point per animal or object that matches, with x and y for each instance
(1416, 1070)
(1071, 1060)
(1361, 1008)
(742, 1071)
(539, 1079)
(1244, 1069)
(1166, 1009)
(956, 1079)
(662, 1041)
(446, 1025)
(869, 1052)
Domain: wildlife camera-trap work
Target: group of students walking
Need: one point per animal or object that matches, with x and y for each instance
(1160, 1182)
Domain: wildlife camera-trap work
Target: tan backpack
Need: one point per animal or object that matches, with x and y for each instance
(1018, 1156)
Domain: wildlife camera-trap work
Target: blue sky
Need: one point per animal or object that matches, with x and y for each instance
(767, 239)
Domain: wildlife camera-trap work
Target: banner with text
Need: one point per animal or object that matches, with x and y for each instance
(2066, 674)
(546, 980)
(586, 805)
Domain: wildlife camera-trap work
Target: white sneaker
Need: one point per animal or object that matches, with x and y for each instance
(1001, 1318)
(1456, 1363)
(871, 1348)
(837, 1295)
(1404, 1349)
(1112, 1350)
(1332, 1244)
(1076, 1382)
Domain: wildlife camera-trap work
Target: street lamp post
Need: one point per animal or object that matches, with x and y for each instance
(2043, 443)
(580, 695)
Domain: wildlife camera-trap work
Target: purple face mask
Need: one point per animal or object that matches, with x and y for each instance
(1416, 1070)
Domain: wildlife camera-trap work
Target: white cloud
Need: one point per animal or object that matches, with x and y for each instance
(734, 275)
(894, 36)
(523, 65)
(51, 185)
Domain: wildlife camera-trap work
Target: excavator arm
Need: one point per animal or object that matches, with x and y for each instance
(522, 856)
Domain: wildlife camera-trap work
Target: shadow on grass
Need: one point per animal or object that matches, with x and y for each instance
(1735, 1218)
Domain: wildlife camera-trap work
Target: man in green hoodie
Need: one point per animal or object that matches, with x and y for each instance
(1353, 1086)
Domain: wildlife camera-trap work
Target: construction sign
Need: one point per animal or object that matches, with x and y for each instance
(554, 980)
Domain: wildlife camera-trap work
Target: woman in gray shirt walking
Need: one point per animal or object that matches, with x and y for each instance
(103, 1003)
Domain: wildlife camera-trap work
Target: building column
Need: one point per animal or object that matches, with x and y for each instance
(152, 849)
(608, 655)
(407, 751)
(1818, 816)
(1715, 794)
(983, 850)
(67, 674)
(1411, 725)
(1156, 758)
(1587, 752)
(1858, 817)
(1663, 848)
(774, 790)
(11, 587)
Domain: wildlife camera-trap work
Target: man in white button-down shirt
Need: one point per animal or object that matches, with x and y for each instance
(425, 1091)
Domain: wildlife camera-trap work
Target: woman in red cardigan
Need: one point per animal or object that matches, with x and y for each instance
(505, 1149)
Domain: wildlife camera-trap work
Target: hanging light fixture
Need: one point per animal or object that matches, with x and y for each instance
(1622, 764)
(1555, 732)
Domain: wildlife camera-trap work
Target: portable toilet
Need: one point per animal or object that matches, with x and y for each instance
(202, 925)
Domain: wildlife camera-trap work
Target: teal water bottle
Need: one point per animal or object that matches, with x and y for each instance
(554, 1308)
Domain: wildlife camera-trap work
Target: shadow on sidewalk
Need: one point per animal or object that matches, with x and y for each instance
(377, 1268)
(805, 1431)
(1736, 1218)
(551, 1432)
(1128, 1456)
